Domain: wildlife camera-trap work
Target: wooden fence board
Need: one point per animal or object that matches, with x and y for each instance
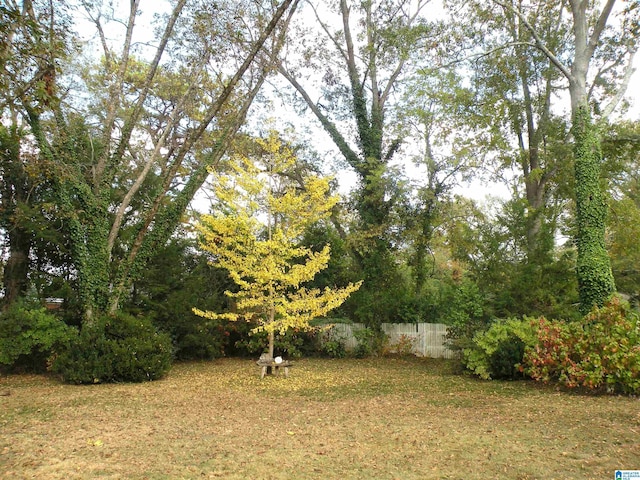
(428, 338)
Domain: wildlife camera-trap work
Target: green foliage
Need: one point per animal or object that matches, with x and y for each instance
(595, 279)
(624, 248)
(334, 349)
(460, 305)
(513, 280)
(621, 164)
(382, 300)
(341, 268)
(498, 351)
(85, 212)
(332, 344)
(121, 348)
(175, 279)
(371, 343)
(200, 340)
(290, 344)
(29, 336)
(601, 352)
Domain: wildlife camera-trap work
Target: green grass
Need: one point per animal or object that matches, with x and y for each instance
(345, 419)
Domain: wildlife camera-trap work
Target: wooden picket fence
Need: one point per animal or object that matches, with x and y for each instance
(426, 339)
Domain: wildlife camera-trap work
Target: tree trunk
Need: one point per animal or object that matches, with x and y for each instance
(595, 278)
(16, 271)
(272, 336)
(536, 203)
(14, 194)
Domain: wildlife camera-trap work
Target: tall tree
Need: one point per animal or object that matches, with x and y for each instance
(362, 66)
(434, 119)
(15, 186)
(34, 36)
(514, 88)
(255, 234)
(593, 39)
(147, 126)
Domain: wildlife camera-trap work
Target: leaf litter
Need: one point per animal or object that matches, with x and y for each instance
(381, 418)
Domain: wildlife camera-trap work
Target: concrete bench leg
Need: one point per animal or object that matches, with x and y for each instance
(264, 372)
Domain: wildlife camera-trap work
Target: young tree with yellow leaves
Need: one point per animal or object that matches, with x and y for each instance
(255, 233)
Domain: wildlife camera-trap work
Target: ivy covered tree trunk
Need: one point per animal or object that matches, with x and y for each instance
(14, 193)
(595, 278)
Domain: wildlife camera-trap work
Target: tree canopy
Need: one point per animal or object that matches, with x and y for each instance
(255, 232)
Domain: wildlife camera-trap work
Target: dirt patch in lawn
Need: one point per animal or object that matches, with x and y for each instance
(342, 419)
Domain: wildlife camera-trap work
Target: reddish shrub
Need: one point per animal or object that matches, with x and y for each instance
(601, 352)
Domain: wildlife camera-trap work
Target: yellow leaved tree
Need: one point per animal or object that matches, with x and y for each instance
(254, 233)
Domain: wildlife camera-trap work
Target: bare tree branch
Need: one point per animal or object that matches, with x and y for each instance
(622, 89)
(115, 90)
(539, 43)
(352, 157)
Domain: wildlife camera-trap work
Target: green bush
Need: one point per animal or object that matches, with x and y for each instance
(334, 349)
(498, 351)
(122, 348)
(601, 352)
(331, 343)
(292, 344)
(461, 307)
(460, 303)
(29, 336)
(370, 342)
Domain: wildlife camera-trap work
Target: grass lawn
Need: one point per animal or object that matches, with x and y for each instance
(331, 419)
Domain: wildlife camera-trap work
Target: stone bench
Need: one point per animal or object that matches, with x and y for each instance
(275, 367)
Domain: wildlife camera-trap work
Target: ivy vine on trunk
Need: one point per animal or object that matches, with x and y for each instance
(595, 279)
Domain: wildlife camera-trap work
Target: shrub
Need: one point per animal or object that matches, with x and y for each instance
(122, 348)
(194, 337)
(29, 335)
(601, 352)
(498, 351)
(202, 344)
(370, 342)
(404, 346)
(461, 307)
(331, 343)
(460, 303)
(334, 349)
(550, 356)
(292, 344)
